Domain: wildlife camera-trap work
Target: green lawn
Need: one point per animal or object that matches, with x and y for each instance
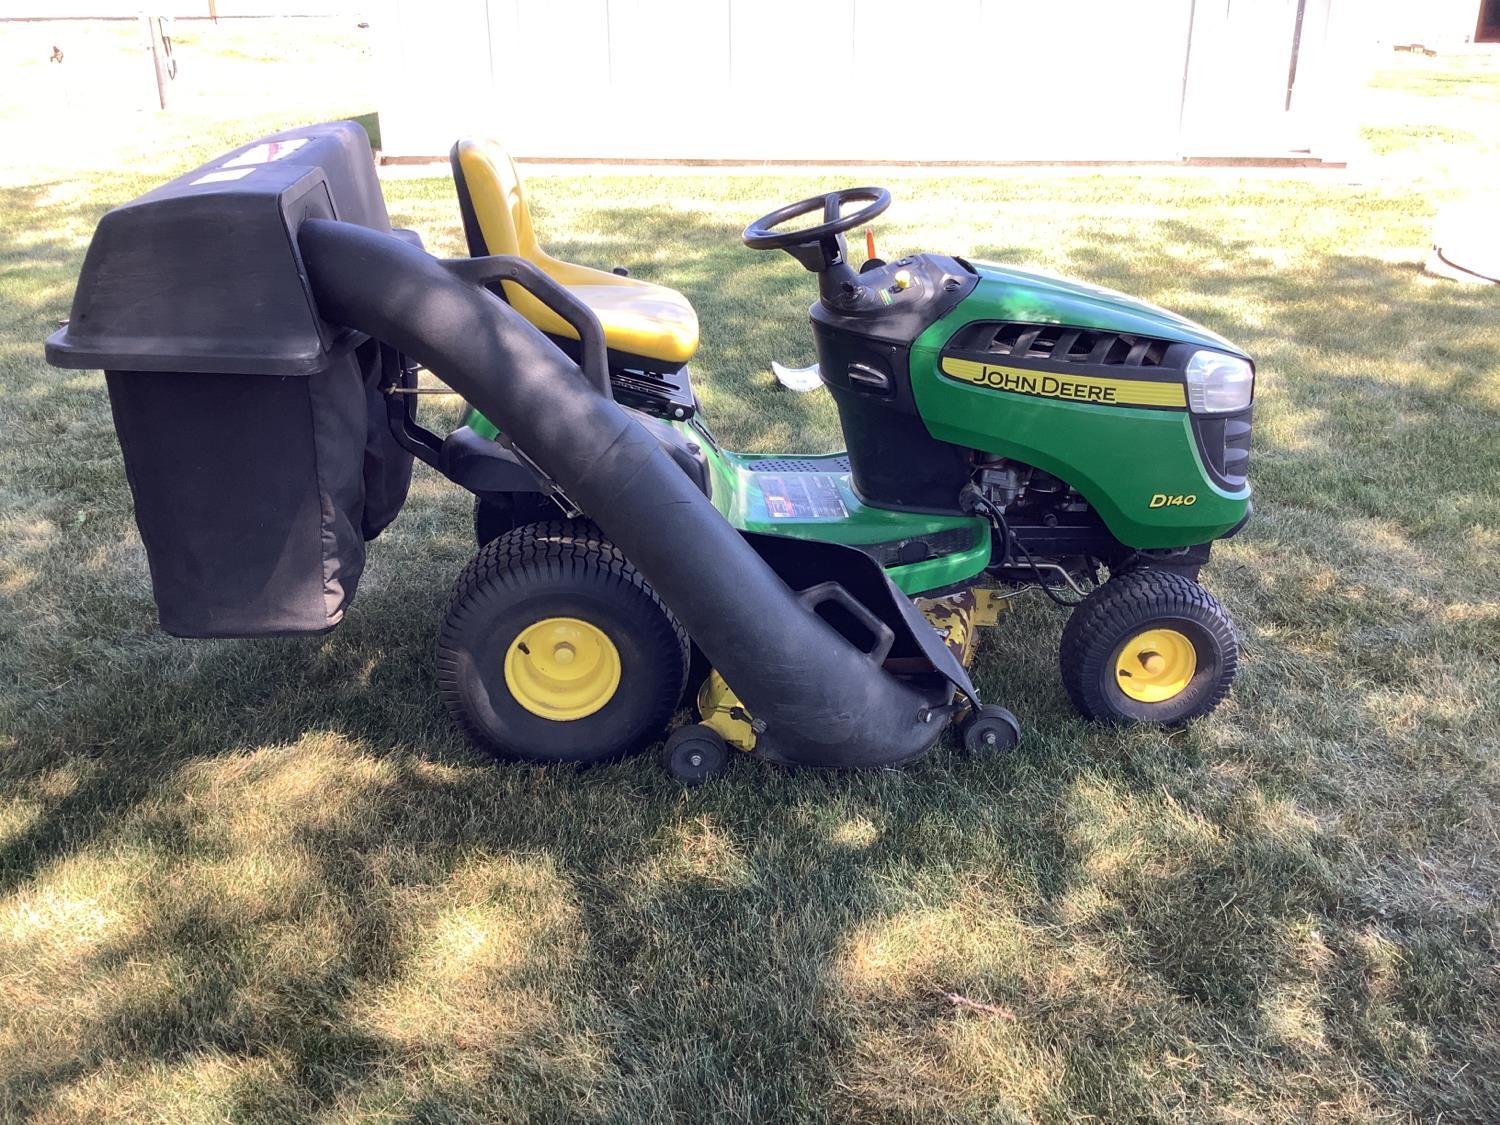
(266, 881)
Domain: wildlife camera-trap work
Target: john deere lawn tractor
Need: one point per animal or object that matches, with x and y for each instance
(261, 327)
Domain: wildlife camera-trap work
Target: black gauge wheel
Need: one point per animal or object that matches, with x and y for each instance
(993, 730)
(695, 753)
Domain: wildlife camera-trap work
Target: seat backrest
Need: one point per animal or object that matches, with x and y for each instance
(492, 200)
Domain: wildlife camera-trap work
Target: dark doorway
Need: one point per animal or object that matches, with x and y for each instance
(1488, 30)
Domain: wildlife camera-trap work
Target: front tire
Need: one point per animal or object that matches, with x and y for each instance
(555, 648)
(1148, 646)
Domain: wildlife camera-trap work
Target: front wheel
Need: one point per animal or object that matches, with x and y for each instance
(1148, 646)
(555, 649)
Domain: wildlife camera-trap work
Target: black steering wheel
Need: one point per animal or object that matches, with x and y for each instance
(762, 235)
(819, 248)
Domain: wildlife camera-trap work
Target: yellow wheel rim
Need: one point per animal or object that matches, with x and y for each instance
(562, 668)
(1156, 665)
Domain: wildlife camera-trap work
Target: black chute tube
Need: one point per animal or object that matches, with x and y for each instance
(823, 701)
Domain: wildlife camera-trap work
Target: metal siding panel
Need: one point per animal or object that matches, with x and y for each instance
(981, 80)
(434, 61)
(554, 93)
(670, 78)
(769, 108)
(1235, 100)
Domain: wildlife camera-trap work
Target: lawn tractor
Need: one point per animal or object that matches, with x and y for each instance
(262, 330)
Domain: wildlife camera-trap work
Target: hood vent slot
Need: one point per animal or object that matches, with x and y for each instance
(1062, 344)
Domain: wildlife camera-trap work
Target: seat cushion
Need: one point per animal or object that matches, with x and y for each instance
(646, 320)
(638, 318)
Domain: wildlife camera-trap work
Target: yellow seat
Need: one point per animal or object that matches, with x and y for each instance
(639, 318)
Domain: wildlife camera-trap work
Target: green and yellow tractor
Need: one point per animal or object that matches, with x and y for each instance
(1004, 431)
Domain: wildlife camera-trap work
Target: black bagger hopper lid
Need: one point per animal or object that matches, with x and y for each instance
(245, 420)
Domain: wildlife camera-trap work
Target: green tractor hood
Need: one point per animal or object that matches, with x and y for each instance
(1116, 429)
(1019, 295)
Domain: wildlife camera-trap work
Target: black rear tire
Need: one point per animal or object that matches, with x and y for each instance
(1096, 668)
(566, 571)
(496, 515)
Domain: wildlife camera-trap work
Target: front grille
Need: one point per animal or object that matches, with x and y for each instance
(1061, 344)
(1225, 445)
(1223, 441)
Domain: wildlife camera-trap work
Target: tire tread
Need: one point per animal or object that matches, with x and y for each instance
(555, 549)
(1135, 594)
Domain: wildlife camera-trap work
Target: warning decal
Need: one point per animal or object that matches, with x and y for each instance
(801, 496)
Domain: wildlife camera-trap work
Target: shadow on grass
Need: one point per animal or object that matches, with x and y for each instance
(275, 858)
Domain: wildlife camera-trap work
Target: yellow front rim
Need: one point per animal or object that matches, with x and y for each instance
(1156, 665)
(562, 668)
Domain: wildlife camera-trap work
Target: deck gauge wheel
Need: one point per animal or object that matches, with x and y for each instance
(992, 730)
(695, 753)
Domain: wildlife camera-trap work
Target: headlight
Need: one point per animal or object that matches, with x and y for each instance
(1219, 383)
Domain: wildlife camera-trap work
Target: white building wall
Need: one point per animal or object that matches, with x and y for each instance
(178, 9)
(1246, 95)
(841, 80)
(960, 80)
(1436, 24)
